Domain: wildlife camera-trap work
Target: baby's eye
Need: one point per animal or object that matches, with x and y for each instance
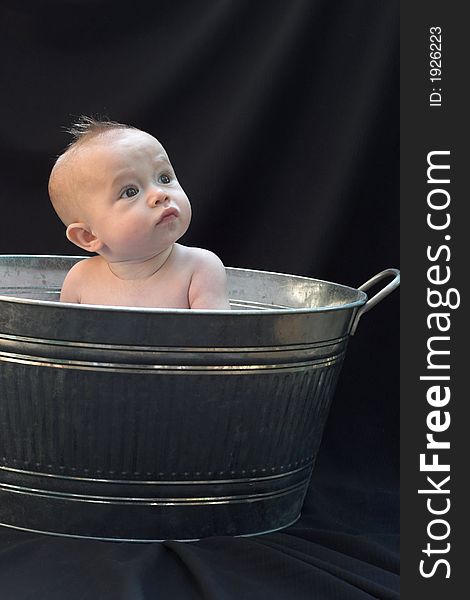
(164, 178)
(130, 192)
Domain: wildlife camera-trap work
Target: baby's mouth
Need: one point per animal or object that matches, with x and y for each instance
(169, 214)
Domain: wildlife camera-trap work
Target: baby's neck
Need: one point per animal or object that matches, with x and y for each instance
(140, 268)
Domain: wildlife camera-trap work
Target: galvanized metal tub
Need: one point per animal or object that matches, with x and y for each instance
(151, 424)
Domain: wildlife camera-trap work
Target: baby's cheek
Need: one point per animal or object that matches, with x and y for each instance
(133, 229)
(121, 238)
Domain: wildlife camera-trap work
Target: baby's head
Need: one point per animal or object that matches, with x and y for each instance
(116, 192)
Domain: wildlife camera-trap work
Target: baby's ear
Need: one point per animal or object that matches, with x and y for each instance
(80, 235)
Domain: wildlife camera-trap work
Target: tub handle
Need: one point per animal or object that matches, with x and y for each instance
(395, 273)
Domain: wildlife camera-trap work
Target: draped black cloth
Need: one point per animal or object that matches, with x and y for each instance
(281, 120)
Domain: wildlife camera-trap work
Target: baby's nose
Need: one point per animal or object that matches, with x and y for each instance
(157, 196)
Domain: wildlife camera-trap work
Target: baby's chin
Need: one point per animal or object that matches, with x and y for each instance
(168, 234)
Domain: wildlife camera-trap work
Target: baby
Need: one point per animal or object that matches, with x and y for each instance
(117, 193)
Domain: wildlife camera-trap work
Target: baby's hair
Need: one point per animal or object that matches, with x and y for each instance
(85, 128)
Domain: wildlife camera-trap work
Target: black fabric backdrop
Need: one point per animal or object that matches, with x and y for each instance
(281, 119)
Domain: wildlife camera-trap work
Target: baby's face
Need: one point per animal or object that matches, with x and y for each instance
(131, 198)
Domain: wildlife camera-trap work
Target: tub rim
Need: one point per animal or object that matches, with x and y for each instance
(362, 296)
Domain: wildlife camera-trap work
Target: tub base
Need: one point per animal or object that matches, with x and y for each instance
(151, 519)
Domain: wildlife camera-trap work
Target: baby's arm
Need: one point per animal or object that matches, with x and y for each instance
(71, 287)
(208, 286)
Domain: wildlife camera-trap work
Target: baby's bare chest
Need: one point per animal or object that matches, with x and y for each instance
(163, 290)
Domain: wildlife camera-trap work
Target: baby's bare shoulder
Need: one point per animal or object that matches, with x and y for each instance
(87, 264)
(73, 282)
(208, 284)
(85, 268)
(203, 259)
